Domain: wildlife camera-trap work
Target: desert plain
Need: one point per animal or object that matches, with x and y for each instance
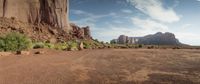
(106, 66)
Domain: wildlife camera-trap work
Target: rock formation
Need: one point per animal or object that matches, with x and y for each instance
(155, 39)
(41, 20)
(51, 12)
(80, 33)
(122, 39)
(159, 39)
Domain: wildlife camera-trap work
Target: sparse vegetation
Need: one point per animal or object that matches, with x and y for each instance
(140, 46)
(86, 45)
(49, 45)
(73, 45)
(37, 45)
(176, 47)
(61, 46)
(18, 42)
(14, 42)
(57, 46)
(150, 47)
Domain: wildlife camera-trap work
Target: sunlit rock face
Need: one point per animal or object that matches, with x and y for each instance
(51, 12)
(80, 32)
(153, 39)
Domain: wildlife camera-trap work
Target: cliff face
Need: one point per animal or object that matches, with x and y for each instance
(154, 39)
(51, 12)
(160, 39)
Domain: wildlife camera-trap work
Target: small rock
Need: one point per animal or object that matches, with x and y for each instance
(19, 52)
(39, 52)
(25, 53)
(73, 49)
(81, 47)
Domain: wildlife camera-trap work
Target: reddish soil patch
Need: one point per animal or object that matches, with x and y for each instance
(111, 66)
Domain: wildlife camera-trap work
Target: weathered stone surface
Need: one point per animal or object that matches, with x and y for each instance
(80, 33)
(122, 39)
(81, 46)
(154, 39)
(1, 8)
(35, 32)
(51, 12)
(87, 33)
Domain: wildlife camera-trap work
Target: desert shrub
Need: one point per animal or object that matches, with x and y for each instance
(14, 42)
(150, 47)
(38, 45)
(86, 45)
(130, 45)
(96, 40)
(73, 45)
(2, 44)
(61, 46)
(140, 46)
(102, 42)
(96, 44)
(124, 47)
(49, 45)
(176, 48)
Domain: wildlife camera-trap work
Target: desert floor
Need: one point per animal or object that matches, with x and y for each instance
(107, 66)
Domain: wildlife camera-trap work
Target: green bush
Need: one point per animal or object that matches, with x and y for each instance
(61, 46)
(2, 44)
(86, 45)
(140, 46)
(14, 42)
(73, 45)
(38, 45)
(49, 45)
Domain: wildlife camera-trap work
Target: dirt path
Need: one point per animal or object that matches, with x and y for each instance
(114, 66)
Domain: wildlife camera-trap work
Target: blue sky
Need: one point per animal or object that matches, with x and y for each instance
(110, 18)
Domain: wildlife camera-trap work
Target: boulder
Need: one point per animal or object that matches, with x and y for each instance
(81, 46)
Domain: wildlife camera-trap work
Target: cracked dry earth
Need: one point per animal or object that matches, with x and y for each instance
(108, 66)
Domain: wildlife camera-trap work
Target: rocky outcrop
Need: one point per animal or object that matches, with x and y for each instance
(35, 32)
(41, 20)
(50, 12)
(122, 39)
(159, 39)
(80, 33)
(155, 39)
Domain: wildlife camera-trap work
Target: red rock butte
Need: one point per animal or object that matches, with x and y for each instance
(51, 12)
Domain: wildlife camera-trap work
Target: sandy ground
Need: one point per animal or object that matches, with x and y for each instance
(111, 66)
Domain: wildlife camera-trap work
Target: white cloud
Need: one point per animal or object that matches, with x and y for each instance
(78, 12)
(126, 11)
(188, 37)
(155, 9)
(88, 18)
(186, 26)
(149, 24)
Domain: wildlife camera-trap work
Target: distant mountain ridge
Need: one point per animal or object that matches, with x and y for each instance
(152, 39)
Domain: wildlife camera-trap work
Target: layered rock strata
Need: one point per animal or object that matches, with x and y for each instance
(50, 12)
